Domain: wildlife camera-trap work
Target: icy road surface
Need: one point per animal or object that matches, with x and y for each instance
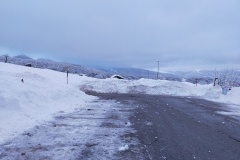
(98, 131)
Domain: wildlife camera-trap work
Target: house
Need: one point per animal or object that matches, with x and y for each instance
(117, 76)
(28, 65)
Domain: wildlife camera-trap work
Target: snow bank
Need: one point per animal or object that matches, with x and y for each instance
(231, 99)
(43, 92)
(162, 87)
(233, 96)
(215, 94)
(146, 86)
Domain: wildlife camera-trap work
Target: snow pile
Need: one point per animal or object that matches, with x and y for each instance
(144, 86)
(215, 94)
(161, 87)
(42, 93)
(233, 101)
(232, 96)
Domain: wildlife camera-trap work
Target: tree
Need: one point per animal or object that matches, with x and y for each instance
(229, 78)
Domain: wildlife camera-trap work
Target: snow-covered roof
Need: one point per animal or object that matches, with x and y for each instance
(117, 76)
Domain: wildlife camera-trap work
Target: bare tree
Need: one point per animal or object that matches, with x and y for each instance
(233, 77)
(229, 78)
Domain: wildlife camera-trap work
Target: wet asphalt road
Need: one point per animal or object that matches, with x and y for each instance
(181, 128)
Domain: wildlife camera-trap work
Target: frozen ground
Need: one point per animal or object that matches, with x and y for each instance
(30, 108)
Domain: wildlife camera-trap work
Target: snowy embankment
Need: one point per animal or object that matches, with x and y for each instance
(144, 86)
(163, 87)
(231, 99)
(41, 94)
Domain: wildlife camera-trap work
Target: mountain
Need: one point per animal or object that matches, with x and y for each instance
(202, 77)
(137, 73)
(22, 56)
(194, 76)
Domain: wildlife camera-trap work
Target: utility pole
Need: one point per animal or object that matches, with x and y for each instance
(67, 73)
(6, 58)
(158, 69)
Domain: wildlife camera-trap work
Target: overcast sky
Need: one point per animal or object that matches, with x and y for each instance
(123, 33)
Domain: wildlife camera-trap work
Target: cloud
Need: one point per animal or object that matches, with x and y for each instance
(124, 33)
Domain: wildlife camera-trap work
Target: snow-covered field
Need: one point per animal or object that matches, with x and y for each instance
(44, 93)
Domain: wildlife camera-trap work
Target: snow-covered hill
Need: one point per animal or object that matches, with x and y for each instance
(57, 66)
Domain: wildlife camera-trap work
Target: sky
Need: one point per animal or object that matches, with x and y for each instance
(123, 33)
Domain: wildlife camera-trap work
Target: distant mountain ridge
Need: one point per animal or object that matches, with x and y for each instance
(22, 56)
(136, 73)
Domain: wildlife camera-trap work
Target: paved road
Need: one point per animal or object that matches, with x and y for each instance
(181, 128)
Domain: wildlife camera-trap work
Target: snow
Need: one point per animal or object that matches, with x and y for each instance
(232, 96)
(46, 118)
(45, 93)
(123, 148)
(162, 87)
(231, 100)
(146, 86)
(128, 124)
(91, 132)
(232, 110)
